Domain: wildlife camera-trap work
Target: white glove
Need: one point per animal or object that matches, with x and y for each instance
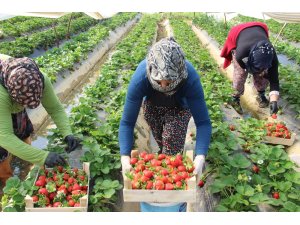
(199, 164)
(125, 161)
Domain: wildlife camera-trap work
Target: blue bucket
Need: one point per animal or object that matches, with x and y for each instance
(163, 207)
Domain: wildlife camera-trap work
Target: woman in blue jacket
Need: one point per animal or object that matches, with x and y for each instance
(170, 90)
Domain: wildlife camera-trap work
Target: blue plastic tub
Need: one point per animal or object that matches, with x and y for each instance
(163, 207)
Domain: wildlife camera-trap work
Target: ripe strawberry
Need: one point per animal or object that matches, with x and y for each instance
(192, 134)
(201, 183)
(161, 156)
(178, 184)
(35, 198)
(40, 183)
(77, 204)
(274, 116)
(133, 161)
(169, 186)
(149, 184)
(159, 185)
(276, 195)
(71, 203)
(57, 204)
(255, 169)
(232, 127)
(43, 191)
(148, 173)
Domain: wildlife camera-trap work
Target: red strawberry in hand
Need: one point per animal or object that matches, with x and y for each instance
(274, 116)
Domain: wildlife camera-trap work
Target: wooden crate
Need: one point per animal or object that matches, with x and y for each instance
(280, 141)
(160, 196)
(29, 205)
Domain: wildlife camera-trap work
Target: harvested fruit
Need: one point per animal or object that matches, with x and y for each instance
(60, 187)
(160, 172)
(278, 130)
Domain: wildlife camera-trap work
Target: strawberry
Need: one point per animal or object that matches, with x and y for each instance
(57, 204)
(201, 183)
(35, 198)
(71, 203)
(232, 127)
(274, 116)
(169, 186)
(40, 183)
(133, 161)
(255, 169)
(276, 195)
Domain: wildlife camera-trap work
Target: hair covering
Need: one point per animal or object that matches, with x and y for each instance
(23, 81)
(166, 61)
(260, 57)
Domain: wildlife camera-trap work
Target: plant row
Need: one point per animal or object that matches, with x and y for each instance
(24, 46)
(15, 28)
(60, 59)
(246, 171)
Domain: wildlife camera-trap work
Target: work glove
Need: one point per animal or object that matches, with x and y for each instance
(273, 107)
(125, 161)
(72, 143)
(199, 164)
(54, 159)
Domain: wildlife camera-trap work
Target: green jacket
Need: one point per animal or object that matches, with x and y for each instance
(10, 142)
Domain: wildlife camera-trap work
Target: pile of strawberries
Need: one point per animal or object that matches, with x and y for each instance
(60, 187)
(160, 171)
(278, 129)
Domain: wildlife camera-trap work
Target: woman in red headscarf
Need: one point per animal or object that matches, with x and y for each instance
(249, 49)
(22, 86)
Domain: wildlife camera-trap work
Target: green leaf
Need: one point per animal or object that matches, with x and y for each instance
(109, 193)
(246, 190)
(221, 208)
(291, 207)
(12, 185)
(258, 198)
(18, 198)
(284, 186)
(10, 209)
(293, 177)
(239, 161)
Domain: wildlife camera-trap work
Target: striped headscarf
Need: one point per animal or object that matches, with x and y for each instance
(166, 61)
(23, 81)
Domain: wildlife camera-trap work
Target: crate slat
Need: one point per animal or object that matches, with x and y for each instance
(280, 141)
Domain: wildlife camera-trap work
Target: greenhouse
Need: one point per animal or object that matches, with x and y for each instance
(100, 143)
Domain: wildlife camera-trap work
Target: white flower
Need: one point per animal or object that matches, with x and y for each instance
(260, 161)
(249, 178)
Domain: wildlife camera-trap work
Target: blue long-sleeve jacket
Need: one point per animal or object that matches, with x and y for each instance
(190, 95)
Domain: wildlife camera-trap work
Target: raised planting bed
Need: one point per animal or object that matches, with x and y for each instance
(154, 188)
(60, 190)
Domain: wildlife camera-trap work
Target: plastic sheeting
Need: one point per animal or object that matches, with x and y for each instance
(95, 15)
(283, 17)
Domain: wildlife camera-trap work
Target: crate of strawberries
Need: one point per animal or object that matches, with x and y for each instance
(160, 178)
(278, 133)
(60, 189)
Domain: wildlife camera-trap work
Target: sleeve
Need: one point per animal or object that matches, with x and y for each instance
(273, 75)
(55, 109)
(131, 110)
(197, 105)
(10, 142)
